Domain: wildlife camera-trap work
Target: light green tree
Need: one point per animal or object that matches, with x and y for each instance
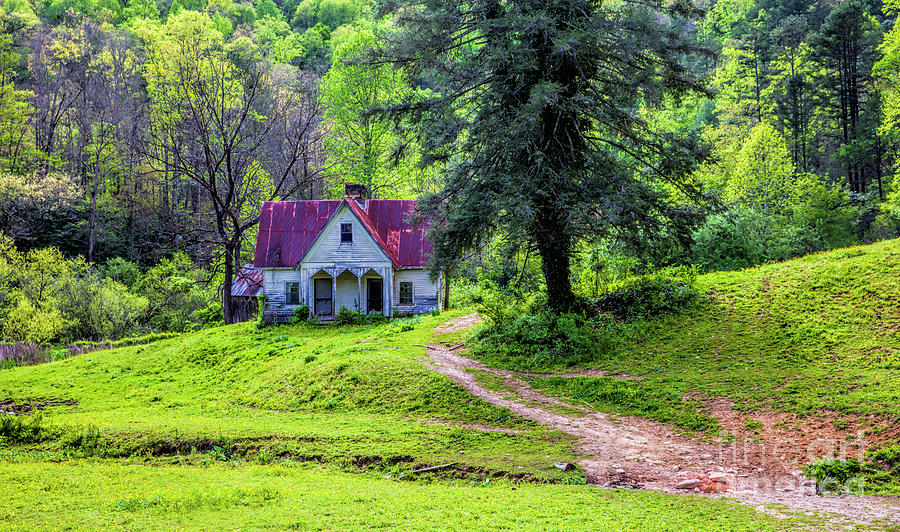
(363, 147)
(763, 173)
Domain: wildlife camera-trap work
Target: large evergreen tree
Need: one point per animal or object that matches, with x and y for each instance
(536, 113)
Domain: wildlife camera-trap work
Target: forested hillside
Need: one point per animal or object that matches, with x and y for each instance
(138, 139)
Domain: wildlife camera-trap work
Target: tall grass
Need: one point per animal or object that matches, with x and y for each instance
(86, 346)
(21, 354)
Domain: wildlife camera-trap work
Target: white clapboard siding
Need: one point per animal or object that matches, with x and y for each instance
(274, 287)
(328, 248)
(347, 295)
(425, 292)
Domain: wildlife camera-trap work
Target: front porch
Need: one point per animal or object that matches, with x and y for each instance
(364, 289)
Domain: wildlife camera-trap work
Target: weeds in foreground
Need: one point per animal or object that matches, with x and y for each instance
(22, 354)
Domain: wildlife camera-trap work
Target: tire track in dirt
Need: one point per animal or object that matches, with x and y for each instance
(626, 451)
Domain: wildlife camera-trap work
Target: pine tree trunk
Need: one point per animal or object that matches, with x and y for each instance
(555, 250)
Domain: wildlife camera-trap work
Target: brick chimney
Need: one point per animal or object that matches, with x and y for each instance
(352, 190)
(356, 192)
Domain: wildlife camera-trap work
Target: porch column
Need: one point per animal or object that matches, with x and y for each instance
(359, 305)
(307, 277)
(334, 309)
(388, 290)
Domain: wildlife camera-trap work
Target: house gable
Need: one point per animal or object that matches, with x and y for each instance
(328, 249)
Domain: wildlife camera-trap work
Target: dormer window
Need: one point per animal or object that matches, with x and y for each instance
(346, 233)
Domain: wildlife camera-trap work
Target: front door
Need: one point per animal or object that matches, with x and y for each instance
(374, 295)
(322, 295)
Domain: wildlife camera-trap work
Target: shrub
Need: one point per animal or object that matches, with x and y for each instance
(667, 291)
(888, 456)
(99, 307)
(742, 237)
(827, 211)
(300, 314)
(499, 306)
(376, 317)
(465, 292)
(729, 241)
(261, 301)
(122, 271)
(543, 340)
(30, 323)
(887, 223)
(180, 297)
(831, 473)
(348, 316)
(22, 429)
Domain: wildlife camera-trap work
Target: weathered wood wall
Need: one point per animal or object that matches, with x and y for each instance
(425, 292)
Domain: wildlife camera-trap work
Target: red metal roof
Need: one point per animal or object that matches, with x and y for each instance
(247, 282)
(287, 229)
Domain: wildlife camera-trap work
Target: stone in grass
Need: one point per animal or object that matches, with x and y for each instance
(718, 476)
(565, 466)
(714, 487)
(688, 484)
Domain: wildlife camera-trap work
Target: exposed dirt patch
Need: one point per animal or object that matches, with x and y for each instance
(625, 451)
(796, 441)
(459, 324)
(23, 406)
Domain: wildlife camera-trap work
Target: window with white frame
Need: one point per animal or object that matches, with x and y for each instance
(346, 233)
(406, 293)
(292, 293)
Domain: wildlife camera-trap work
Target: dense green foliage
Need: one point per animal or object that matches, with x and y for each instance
(113, 136)
(523, 333)
(48, 298)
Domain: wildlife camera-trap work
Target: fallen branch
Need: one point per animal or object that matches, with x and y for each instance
(433, 468)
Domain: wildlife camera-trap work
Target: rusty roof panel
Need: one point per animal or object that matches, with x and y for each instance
(287, 229)
(247, 282)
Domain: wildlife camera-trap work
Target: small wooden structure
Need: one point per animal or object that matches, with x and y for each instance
(245, 289)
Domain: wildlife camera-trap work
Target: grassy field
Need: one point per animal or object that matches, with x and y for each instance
(295, 427)
(108, 494)
(353, 395)
(319, 427)
(816, 335)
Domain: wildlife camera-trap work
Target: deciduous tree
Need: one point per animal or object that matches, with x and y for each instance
(231, 123)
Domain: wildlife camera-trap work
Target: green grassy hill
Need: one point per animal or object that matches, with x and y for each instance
(295, 428)
(823, 331)
(355, 395)
(304, 427)
(796, 355)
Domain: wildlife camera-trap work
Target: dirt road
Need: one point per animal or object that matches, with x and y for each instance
(625, 451)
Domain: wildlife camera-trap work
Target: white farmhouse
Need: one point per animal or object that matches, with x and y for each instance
(364, 254)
